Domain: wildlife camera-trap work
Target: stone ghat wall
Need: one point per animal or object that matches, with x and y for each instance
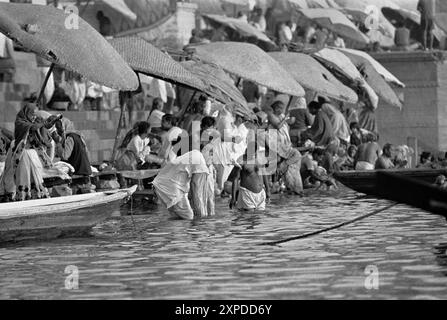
(98, 127)
(424, 114)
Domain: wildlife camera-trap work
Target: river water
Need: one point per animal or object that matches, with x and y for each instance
(399, 253)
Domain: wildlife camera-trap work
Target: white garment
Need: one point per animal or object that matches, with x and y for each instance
(155, 118)
(248, 200)
(158, 90)
(240, 148)
(3, 40)
(173, 181)
(166, 152)
(139, 147)
(363, 166)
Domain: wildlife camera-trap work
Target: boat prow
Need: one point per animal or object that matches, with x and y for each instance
(366, 181)
(58, 217)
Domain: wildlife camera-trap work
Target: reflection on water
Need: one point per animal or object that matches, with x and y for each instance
(152, 257)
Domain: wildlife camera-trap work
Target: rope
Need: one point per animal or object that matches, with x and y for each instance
(337, 226)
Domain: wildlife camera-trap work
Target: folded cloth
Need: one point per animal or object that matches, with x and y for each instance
(363, 165)
(249, 200)
(64, 167)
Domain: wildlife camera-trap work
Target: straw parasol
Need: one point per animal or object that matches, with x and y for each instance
(342, 67)
(243, 28)
(251, 63)
(43, 30)
(373, 76)
(336, 21)
(402, 15)
(357, 54)
(144, 58)
(220, 85)
(313, 76)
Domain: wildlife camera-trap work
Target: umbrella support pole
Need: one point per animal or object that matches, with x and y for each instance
(44, 84)
(121, 125)
(190, 102)
(238, 83)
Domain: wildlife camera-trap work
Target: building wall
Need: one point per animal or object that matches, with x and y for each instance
(174, 32)
(424, 115)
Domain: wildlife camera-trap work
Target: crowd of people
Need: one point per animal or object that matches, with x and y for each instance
(42, 145)
(213, 150)
(300, 32)
(209, 150)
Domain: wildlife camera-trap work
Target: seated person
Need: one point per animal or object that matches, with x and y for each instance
(425, 161)
(384, 162)
(356, 134)
(139, 143)
(367, 154)
(315, 176)
(346, 162)
(441, 182)
(134, 150)
(73, 149)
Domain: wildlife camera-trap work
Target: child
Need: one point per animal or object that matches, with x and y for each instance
(248, 193)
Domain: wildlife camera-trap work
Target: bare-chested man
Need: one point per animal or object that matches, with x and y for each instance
(367, 154)
(250, 190)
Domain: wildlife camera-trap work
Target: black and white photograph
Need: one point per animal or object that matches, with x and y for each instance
(223, 155)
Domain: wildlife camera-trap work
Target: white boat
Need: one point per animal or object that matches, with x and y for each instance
(58, 217)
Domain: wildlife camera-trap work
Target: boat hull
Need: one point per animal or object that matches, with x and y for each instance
(366, 181)
(59, 220)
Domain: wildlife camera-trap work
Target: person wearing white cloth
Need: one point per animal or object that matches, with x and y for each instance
(139, 143)
(171, 134)
(156, 114)
(223, 151)
(367, 154)
(181, 176)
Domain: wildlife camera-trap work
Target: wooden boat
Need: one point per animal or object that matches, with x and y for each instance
(366, 181)
(410, 191)
(58, 217)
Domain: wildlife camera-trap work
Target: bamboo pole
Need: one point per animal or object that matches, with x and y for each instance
(44, 84)
(123, 105)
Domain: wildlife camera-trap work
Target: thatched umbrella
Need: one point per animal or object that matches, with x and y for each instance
(373, 76)
(219, 84)
(71, 44)
(388, 76)
(249, 62)
(343, 68)
(313, 76)
(144, 58)
(241, 27)
(336, 21)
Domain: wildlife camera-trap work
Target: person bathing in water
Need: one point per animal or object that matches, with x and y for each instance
(248, 192)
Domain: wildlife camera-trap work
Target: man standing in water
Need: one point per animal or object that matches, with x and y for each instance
(248, 192)
(367, 154)
(186, 174)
